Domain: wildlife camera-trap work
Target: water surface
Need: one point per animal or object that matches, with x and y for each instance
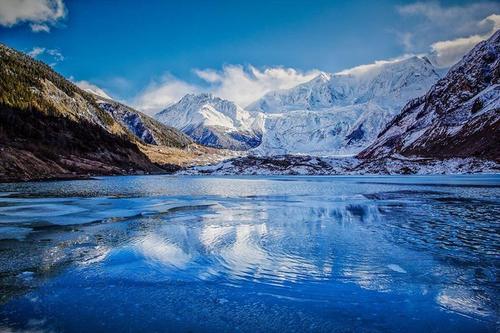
(251, 254)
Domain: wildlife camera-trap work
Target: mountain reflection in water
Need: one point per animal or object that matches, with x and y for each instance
(251, 254)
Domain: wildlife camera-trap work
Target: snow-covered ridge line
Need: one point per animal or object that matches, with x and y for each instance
(333, 114)
(213, 121)
(340, 114)
(458, 117)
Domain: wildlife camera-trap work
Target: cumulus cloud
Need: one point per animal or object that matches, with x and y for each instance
(448, 32)
(54, 56)
(162, 93)
(448, 52)
(237, 83)
(92, 88)
(245, 85)
(40, 14)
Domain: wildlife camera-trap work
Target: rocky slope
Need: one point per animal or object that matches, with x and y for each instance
(51, 128)
(458, 117)
(145, 128)
(340, 114)
(213, 122)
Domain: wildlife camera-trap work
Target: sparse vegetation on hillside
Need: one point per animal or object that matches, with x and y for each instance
(50, 128)
(22, 84)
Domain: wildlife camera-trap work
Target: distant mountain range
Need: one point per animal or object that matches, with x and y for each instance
(453, 127)
(401, 116)
(333, 114)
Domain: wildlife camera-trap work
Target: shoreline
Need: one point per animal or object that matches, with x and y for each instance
(344, 174)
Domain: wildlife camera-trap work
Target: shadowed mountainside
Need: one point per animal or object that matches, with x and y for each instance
(458, 117)
(50, 128)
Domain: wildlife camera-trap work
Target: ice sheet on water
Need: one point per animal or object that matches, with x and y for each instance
(73, 211)
(253, 252)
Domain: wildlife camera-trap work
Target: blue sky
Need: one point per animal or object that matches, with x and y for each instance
(131, 48)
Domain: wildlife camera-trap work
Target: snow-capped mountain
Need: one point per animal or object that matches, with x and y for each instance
(333, 114)
(388, 84)
(338, 114)
(335, 131)
(458, 117)
(213, 121)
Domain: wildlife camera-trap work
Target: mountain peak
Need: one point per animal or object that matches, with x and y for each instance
(322, 77)
(197, 97)
(458, 117)
(213, 121)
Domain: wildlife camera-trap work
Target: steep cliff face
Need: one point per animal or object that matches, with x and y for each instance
(51, 128)
(458, 117)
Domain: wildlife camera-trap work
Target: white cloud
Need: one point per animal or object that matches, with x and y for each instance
(53, 55)
(36, 51)
(38, 27)
(448, 32)
(208, 75)
(448, 52)
(245, 85)
(39, 13)
(92, 88)
(450, 20)
(374, 67)
(237, 83)
(406, 38)
(56, 54)
(159, 95)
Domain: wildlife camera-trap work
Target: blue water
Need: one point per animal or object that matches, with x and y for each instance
(251, 254)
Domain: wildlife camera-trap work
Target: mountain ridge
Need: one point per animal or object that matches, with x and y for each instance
(213, 121)
(458, 117)
(332, 114)
(50, 128)
(340, 114)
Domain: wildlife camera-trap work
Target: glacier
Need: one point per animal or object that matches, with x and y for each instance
(340, 114)
(331, 115)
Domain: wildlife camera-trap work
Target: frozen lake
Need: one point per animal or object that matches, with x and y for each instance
(251, 254)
